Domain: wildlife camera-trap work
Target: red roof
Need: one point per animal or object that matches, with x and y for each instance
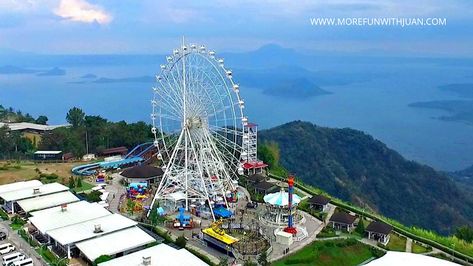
(251, 125)
(122, 150)
(252, 165)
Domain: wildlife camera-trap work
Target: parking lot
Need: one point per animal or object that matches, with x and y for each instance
(20, 245)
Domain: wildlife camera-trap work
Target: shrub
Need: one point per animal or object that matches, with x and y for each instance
(102, 258)
(93, 196)
(3, 215)
(181, 241)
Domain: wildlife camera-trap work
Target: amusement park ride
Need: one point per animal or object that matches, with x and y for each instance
(290, 222)
(203, 138)
(204, 142)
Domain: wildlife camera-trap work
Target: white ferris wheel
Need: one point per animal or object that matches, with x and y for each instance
(198, 126)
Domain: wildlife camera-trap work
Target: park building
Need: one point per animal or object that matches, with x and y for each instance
(80, 229)
(318, 203)
(158, 255)
(379, 231)
(31, 131)
(342, 221)
(24, 197)
(142, 174)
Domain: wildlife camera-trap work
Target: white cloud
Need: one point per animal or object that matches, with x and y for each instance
(82, 11)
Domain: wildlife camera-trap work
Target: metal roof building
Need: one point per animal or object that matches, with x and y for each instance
(30, 126)
(124, 241)
(161, 254)
(20, 185)
(47, 201)
(87, 230)
(74, 213)
(32, 192)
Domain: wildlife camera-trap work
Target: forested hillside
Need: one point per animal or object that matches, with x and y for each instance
(353, 166)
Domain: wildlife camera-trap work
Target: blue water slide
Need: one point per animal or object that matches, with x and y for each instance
(129, 159)
(139, 146)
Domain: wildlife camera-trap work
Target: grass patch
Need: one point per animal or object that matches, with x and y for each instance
(27, 170)
(396, 243)
(331, 253)
(419, 249)
(17, 223)
(3, 215)
(85, 186)
(327, 232)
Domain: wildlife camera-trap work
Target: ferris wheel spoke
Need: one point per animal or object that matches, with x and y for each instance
(198, 119)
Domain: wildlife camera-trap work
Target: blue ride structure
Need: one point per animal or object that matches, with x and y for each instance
(141, 153)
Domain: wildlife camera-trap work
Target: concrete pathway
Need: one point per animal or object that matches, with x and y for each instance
(116, 190)
(20, 244)
(331, 210)
(313, 227)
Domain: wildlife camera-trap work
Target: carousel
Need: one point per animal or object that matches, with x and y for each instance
(277, 208)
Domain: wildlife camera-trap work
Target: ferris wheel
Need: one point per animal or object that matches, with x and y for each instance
(198, 126)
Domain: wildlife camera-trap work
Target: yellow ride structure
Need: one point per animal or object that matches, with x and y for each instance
(217, 236)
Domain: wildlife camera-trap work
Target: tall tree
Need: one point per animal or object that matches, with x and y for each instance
(42, 120)
(75, 117)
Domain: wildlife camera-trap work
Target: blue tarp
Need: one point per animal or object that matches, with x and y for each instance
(136, 186)
(222, 213)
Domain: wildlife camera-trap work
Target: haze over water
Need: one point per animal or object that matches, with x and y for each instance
(376, 104)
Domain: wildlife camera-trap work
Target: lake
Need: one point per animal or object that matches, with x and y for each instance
(377, 105)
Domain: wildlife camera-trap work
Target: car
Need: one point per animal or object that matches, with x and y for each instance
(6, 248)
(3, 236)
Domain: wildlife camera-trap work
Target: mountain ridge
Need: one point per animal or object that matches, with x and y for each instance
(354, 166)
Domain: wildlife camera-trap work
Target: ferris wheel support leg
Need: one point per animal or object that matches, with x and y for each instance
(166, 173)
(202, 179)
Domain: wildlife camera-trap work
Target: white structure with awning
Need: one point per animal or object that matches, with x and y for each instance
(124, 241)
(394, 258)
(87, 230)
(10, 197)
(19, 185)
(47, 201)
(74, 213)
(32, 192)
(161, 254)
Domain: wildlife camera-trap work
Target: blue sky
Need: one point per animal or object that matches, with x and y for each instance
(155, 26)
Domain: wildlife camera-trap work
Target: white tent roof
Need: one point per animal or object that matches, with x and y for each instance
(114, 243)
(19, 185)
(393, 258)
(48, 152)
(76, 212)
(281, 198)
(177, 196)
(26, 125)
(27, 193)
(161, 254)
(47, 201)
(85, 230)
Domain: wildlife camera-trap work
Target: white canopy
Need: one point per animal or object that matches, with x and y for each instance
(281, 198)
(85, 230)
(20, 185)
(161, 254)
(47, 201)
(76, 212)
(394, 258)
(114, 243)
(32, 192)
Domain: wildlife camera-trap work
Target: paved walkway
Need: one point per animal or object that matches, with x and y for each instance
(331, 210)
(20, 244)
(313, 227)
(409, 245)
(116, 190)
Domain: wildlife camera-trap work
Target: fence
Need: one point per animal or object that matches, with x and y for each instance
(396, 228)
